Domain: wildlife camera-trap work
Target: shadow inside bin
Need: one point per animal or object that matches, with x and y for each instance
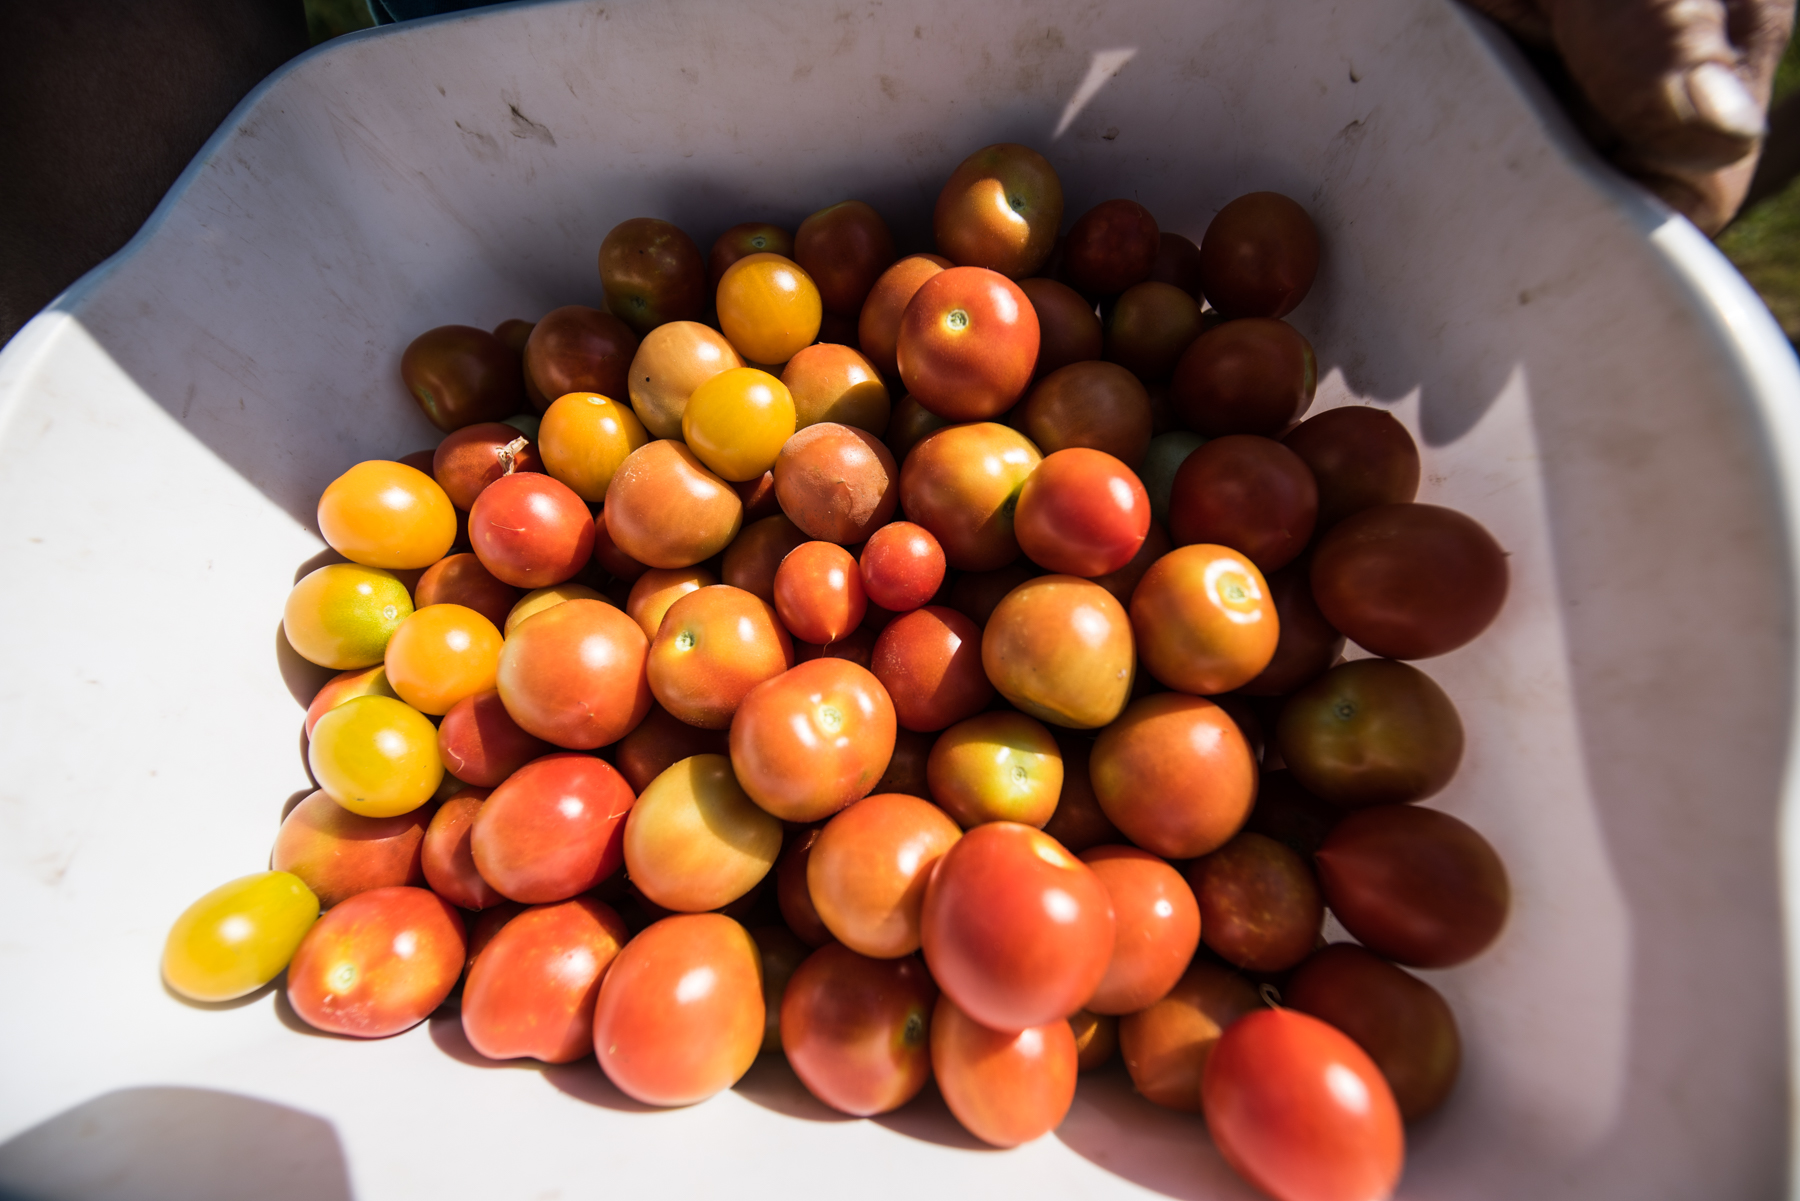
(1160, 1149)
(179, 1144)
(582, 1080)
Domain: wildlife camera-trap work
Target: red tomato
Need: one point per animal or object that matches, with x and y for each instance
(555, 828)
(578, 349)
(378, 963)
(1015, 929)
(338, 854)
(713, 647)
(1111, 247)
(1005, 1088)
(481, 744)
(680, 1014)
(449, 857)
(466, 462)
(968, 342)
(1082, 512)
(462, 376)
(866, 871)
(819, 592)
(531, 990)
(1175, 775)
(856, 1030)
(791, 894)
(1360, 457)
(1001, 209)
(929, 661)
(1301, 1111)
(1258, 256)
(902, 566)
(813, 739)
(844, 248)
(531, 531)
(462, 580)
(962, 483)
(1251, 494)
(1260, 907)
(576, 674)
(1101, 406)
(1156, 928)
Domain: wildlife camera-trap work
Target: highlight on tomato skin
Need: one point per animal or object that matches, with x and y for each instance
(1005, 1087)
(238, 937)
(856, 1030)
(379, 963)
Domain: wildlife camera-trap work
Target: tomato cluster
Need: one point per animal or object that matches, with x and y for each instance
(699, 697)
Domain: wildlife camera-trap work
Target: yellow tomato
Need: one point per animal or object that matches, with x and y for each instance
(769, 308)
(383, 514)
(238, 937)
(376, 756)
(736, 422)
(535, 602)
(583, 438)
(441, 654)
(342, 616)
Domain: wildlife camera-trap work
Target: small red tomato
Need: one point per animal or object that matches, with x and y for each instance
(1258, 256)
(1301, 1111)
(867, 870)
(813, 739)
(462, 580)
(1016, 930)
(466, 462)
(1006, 1088)
(857, 1030)
(680, 1015)
(902, 566)
(929, 661)
(1360, 457)
(968, 342)
(531, 990)
(962, 483)
(481, 744)
(575, 674)
(819, 592)
(1156, 924)
(531, 531)
(1082, 512)
(1111, 247)
(578, 349)
(555, 828)
(378, 963)
(1260, 907)
(448, 856)
(1251, 494)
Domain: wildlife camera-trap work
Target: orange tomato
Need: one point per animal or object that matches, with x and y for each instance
(768, 307)
(389, 515)
(441, 654)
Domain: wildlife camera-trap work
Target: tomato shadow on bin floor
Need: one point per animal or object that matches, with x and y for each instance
(582, 1080)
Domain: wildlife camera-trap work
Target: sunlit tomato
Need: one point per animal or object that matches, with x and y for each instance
(782, 954)
(578, 349)
(1409, 581)
(813, 739)
(741, 241)
(1301, 1111)
(531, 990)
(659, 588)
(878, 325)
(1082, 512)
(856, 1030)
(1371, 732)
(462, 580)
(1258, 256)
(462, 376)
(378, 963)
(531, 531)
(664, 508)
(1255, 376)
(448, 853)
(695, 840)
(1403, 1023)
(659, 742)
(1156, 924)
(791, 894)
(1360, 457)
(819, 592)
(835, 383)
(1061, 649)
(996, 767)
(929, 661)
(1178, 263)
(962, 484)
(1000, 209)
(1093, 404)
(337, 853)
(651, 273)
(238, 937)
(1078, 822)
(844, 248)
(539, 599)
(712, 648)
(769, 307)
(575, 675)
(908, 425)
(867, 871)
(1068, 329)
(1015, 929)
(1006, 1088)
(1260, 907)
(367, 681)
(968, 342)
(756, 554)
(902, 566)
(1166, 1044)
(583, 439)
(1174, 774)
(477, 455)
(376, 756)
(680, 1014)
(383, 514)
(736, 421)
(837, 482)
(553, 829)
(1204, 620)
(1414, 885)
(440, 655)
(1251, 494)
(671, 362)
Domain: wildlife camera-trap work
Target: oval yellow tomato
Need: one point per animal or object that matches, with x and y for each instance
(376, 756)
(238, 937)
(769, 308)
(342, 615)
(383, 514)
(737, 421)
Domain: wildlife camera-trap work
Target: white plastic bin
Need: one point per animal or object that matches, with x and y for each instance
(1585, 375)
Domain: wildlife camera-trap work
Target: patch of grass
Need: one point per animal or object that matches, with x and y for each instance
(326, 19)
(1764, 242)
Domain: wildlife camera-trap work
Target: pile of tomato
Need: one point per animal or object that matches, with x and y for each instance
(925, 667)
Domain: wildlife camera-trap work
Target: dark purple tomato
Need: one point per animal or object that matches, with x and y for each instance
(1414, 885)
(1251, 494)
(1111, 247)
(651, 273)
(1255, 376)
(578, 349)
(1308, 645)
(845, 248)
(1068, 329)
(1177, 262)
(1149, 327)
(1259, 256)
(462, 376)
(1360, 457)
(1260, 907)
(1371, 732)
